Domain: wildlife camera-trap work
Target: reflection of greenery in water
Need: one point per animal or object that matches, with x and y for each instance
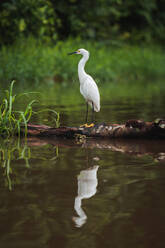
(68, 92)
(119, 102)
(12, 150)
(39, 210)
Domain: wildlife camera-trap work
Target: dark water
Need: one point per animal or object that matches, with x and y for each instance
(95, 193)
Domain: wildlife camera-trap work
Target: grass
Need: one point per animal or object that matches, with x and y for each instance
(31, 61)
(11, 120)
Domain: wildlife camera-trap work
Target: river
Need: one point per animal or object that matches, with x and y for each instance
(85, 193)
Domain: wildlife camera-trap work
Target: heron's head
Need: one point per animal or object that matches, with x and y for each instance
(81, 51)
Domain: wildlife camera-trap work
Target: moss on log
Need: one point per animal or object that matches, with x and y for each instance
(131, 129)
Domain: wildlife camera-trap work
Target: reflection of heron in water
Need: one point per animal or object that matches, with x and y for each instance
(87, 184)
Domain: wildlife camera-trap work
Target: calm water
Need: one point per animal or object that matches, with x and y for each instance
(99, 193)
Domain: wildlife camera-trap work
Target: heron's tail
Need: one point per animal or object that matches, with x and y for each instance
(97, 107)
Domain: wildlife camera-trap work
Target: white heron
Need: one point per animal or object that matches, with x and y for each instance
(88, 87)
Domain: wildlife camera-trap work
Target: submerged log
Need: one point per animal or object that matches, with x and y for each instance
(131, 129)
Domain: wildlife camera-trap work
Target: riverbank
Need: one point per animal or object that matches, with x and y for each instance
(30, 61)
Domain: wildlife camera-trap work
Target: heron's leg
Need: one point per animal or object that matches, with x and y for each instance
(86, 118)
(92, 119)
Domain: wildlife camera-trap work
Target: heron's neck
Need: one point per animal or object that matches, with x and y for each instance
(81, 65)
(78, 208)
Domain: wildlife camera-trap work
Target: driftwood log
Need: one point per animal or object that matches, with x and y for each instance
(131, 129)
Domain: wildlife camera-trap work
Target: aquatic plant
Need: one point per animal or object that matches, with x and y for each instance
(11, 120)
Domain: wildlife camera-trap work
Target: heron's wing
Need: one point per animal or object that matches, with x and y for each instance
(90, 92)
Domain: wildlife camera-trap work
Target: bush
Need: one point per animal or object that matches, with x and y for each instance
(30, 61)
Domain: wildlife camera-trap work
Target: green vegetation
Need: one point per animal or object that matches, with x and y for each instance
(35, 37)
(141, 20)
(11, 119)
(32, 61)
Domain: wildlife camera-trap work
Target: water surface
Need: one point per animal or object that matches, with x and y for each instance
(95, 193)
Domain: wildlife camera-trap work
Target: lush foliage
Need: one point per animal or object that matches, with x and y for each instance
(25, 17)
(32, 61)
(102, 19)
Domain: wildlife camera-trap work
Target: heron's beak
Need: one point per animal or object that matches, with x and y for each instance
(71, 53)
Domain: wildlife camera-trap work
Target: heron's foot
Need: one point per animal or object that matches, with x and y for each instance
(86, 125)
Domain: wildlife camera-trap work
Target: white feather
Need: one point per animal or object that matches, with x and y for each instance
(90, 92)
(88, 87)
